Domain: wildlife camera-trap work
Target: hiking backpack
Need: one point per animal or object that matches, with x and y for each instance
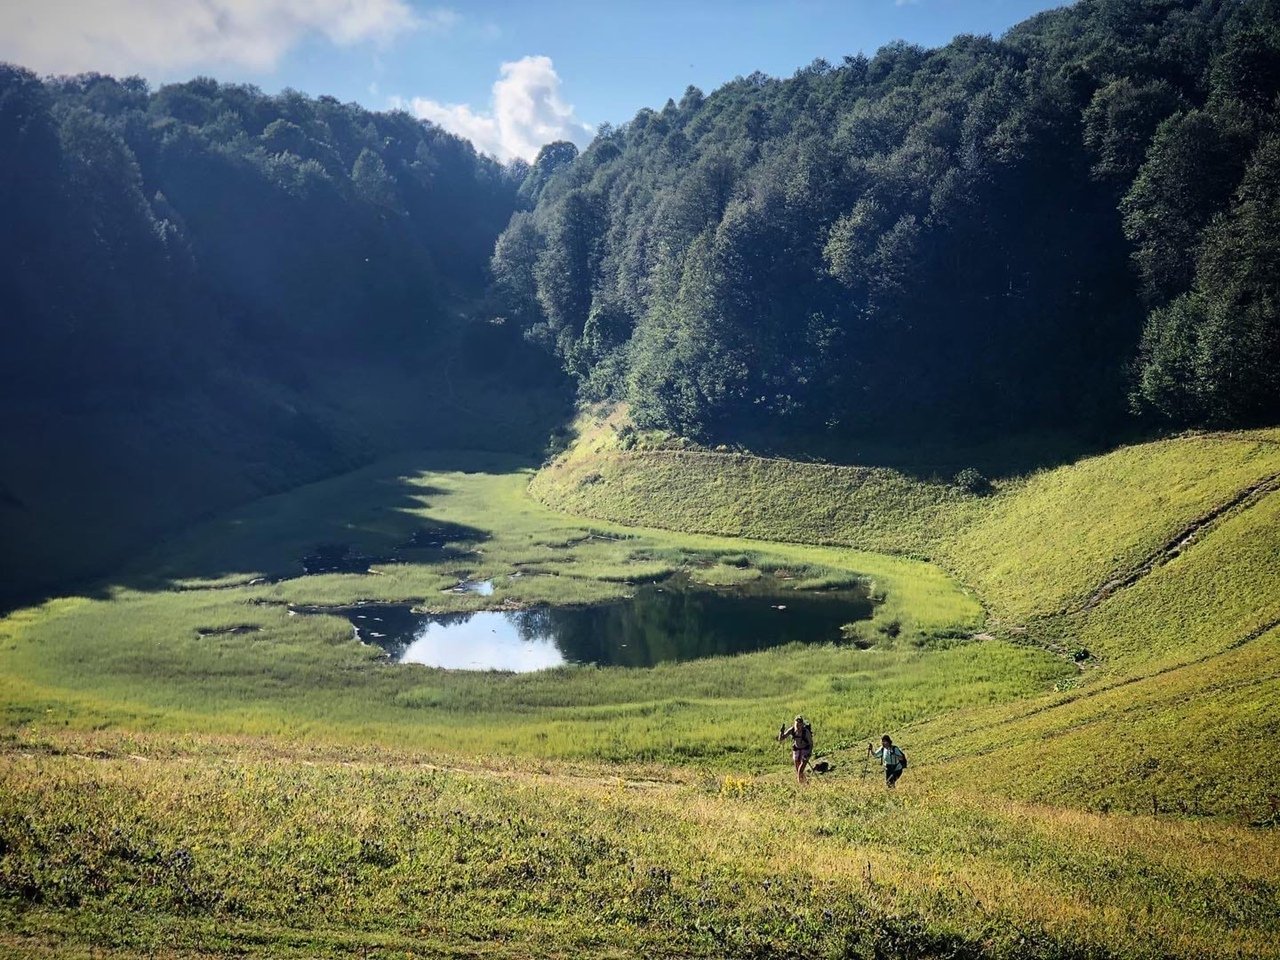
(808, 733)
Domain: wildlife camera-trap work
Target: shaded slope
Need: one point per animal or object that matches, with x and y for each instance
(211, 294)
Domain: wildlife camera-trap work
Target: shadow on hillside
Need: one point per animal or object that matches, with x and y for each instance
(344, 524)
(940, 457)
(96, 473)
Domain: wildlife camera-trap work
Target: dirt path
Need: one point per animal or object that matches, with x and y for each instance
(1243, 500)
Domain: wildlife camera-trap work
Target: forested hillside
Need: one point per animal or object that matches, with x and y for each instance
(209, 294)
(1069, 226)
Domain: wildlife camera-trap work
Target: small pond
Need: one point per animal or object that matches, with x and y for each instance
(674, 620)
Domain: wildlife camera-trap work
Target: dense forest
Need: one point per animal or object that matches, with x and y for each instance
(210, 294)
(291, 223)
(1063, 228)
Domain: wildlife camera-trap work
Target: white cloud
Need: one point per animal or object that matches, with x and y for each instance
(150, 36)
(526, 112)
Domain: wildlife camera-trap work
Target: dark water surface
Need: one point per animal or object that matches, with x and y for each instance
(675, 620)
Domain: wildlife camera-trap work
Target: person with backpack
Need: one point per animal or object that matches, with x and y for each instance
(894, 760)
(801, 735)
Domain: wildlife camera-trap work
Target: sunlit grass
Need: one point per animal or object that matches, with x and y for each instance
(245, 845)
(164, 785)
(1051, 542)
(1034, 548)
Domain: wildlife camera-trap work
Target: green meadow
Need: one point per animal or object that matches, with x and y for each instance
(1081, 663)
(150, 648)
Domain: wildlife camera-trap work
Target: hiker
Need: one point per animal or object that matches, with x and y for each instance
(894, 760)
(801, 735)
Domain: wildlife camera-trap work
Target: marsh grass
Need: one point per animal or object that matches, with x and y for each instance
(163, 653)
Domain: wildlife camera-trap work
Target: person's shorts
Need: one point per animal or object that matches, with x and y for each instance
(797, 755)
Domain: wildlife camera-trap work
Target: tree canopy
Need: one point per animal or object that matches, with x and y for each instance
(209, 294)
(1043, 230)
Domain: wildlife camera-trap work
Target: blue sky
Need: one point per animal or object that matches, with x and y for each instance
(569, 66)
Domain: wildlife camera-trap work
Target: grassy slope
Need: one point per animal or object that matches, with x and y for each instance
(1198, 739)
(1179, 696)
(1047, 544)
(1182, 712)
(222, 846)
(1037, 547)
(321, 757)
(740, 495)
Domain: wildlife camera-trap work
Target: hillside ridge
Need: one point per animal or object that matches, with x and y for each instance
(593, 477)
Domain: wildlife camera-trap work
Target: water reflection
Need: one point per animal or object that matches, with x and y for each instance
(481, 588)
(488, 640)
(665, 622)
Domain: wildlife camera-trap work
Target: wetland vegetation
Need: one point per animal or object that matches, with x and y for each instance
(676, 618)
